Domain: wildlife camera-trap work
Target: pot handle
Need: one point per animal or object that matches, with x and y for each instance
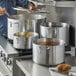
(10, 24)
(54, 34)
(39, 49)
(47, 49)
(47, 55)
(17, 40)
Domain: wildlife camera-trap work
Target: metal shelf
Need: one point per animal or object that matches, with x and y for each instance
(59, 3)
(65, 3)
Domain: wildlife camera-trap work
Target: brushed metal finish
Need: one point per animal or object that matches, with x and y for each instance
(55, 30)
(20, 42)
(40, 57)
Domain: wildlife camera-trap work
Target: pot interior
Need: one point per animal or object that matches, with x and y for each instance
(56, 25)
(49, 42)
(25, 34)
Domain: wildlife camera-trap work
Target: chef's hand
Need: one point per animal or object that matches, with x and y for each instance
(2, 11)
(32, 6)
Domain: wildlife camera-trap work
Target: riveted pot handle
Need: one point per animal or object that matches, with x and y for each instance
(39, 49)
(17, 40)
(47, 55)
(10, 24)
(47, 48)
(54, 33)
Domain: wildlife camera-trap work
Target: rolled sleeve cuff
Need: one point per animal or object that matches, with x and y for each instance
(23, 3)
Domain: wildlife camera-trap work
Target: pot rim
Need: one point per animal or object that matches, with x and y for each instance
(60, 42)
(16, 17)
(19, 34)
(57, 25)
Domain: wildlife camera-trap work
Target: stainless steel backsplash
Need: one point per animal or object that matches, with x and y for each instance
(64, 14)
(67, 15)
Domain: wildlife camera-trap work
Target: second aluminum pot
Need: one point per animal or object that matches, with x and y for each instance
(55, 30)
(47, 51)
(23, 40)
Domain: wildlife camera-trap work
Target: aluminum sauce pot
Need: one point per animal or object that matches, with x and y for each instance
(23, 40)
(15, 24)
(47, 51)
(37, 20)
(55, 30)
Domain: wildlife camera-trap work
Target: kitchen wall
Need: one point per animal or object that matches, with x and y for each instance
(67, 15)
(64, 14)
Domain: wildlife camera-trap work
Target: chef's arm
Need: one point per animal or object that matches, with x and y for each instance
(23, 3)
(26, 4)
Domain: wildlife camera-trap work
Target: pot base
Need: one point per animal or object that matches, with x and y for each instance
(49, 65)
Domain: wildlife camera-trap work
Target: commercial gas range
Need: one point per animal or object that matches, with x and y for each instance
(7, 54)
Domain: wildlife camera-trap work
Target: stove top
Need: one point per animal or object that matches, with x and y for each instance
(7, 48)
(21, 52)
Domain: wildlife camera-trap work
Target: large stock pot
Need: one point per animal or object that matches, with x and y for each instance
(23, 40)
(47, 51)
(37, 20)
(55, 30)
(15, 24)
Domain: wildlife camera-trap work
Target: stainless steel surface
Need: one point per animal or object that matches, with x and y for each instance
(23, 40)
(48, 54)
(55, 30)
(4, 70)
(31, 69)
(7, 54)
(69, 73)
(54, 72)
(6, 47)
(60, 72)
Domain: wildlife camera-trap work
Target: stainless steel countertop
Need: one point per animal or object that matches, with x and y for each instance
(7, 47)
(31, 69)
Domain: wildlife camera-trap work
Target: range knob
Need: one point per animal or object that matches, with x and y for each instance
(1, 52)
(9, 62)
(5, 58)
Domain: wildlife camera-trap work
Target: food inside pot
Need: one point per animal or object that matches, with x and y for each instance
(48, 43)
(27, 34)
(23, 34)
